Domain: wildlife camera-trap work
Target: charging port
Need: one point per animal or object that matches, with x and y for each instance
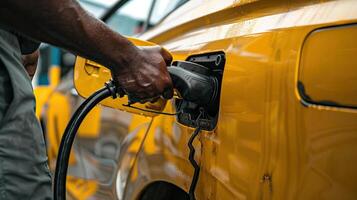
(208, 68)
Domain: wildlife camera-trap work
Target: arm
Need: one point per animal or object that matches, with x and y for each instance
(65, 24)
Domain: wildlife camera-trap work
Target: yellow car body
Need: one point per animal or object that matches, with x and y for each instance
(287, 121)
(269, 142)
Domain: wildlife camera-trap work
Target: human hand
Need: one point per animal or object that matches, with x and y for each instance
(30, 61)
(145, 77)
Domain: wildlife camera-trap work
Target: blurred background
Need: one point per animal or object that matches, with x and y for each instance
(95, 154)
(128, 17)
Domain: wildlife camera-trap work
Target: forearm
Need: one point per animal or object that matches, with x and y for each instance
(65, 24)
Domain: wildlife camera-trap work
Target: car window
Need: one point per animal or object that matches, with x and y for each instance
(336, 85)
(162, 8)
(131, 17)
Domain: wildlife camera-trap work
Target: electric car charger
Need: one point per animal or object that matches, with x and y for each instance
(191, 81)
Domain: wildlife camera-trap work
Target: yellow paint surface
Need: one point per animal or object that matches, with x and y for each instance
(267, 144)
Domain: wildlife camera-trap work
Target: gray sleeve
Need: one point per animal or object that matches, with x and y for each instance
(6, 93)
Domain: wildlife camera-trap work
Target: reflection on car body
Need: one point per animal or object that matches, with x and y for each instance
(270, 142)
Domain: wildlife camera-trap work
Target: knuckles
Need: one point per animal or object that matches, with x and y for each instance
(148, 74)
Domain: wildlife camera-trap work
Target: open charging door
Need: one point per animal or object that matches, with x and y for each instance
(90, 76)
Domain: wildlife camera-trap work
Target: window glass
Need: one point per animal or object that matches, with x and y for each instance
(162, 8)
(328, 67)
(130, 19)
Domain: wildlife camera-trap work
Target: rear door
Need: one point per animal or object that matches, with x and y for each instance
(327, 116)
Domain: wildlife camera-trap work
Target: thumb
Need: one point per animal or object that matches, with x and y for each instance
(166, 55)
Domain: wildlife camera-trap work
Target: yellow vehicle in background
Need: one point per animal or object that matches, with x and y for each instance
(285, 125)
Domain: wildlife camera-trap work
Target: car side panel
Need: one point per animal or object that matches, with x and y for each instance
(267, 144)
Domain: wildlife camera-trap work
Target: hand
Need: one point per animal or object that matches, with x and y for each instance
(146, 77)
(30, 63)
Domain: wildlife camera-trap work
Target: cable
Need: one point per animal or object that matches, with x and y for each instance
(69, 135)
(151, 111)
(191, 156)
(196, 167)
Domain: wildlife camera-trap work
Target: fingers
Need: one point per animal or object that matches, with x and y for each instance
(168, 93)
(167, 87)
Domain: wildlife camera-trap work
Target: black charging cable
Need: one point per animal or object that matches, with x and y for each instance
(185, 81)
(110, 90)
(70, 133)
(196, 167)
(191, 157)
(152, 111)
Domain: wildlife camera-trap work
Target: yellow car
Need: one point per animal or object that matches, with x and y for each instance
(283, 122)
